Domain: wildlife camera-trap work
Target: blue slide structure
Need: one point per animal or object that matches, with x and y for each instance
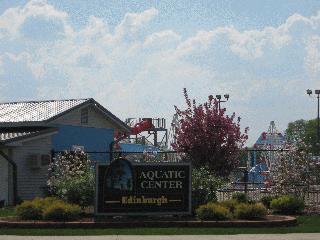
(255, 175)
(138, 148)
(266, 141)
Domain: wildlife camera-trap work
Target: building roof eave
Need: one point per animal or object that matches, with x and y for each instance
(110, 115)
(50, 131)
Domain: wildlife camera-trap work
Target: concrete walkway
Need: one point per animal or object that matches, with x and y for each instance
(291, 236)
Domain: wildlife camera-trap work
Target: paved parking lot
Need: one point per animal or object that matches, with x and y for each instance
(292, 236)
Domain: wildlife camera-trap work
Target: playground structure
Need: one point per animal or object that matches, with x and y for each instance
(147, 135)
(174, 124)
(262, 156)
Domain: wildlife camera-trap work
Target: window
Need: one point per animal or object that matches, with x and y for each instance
(84, 116)
(36, 161)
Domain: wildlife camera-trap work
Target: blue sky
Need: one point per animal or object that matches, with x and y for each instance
(136, 56)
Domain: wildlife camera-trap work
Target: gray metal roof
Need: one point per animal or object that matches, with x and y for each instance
(14, 134)
(39, 113)
(11, 135)
(36, 111)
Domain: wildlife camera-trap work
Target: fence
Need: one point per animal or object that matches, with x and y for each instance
(165, 156)
(255, 178)
(311, 198)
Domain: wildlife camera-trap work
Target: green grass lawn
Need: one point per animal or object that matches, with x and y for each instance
(307, 224)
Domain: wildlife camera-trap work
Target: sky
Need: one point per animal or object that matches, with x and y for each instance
(135, 57)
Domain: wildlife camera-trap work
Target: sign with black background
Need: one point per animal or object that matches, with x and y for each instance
(143, 188)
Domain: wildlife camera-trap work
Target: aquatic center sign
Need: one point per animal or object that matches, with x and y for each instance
(126, 188)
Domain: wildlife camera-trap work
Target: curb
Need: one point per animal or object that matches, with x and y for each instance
(282, 221)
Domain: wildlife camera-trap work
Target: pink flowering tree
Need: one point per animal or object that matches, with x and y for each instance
(209, 137)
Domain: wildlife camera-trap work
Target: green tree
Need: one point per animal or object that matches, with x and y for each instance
(304, 130)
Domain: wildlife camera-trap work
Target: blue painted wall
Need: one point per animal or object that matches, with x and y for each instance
(93, 140)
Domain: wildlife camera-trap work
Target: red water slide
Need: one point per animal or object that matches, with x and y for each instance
(144, 125)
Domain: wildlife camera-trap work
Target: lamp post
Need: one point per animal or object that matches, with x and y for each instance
(219, 97)
(316, 92)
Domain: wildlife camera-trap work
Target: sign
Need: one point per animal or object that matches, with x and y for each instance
(125, 188)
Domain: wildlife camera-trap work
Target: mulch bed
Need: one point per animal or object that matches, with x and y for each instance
(130, 222)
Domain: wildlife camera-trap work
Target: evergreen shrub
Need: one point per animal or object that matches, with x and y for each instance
(213, 211)
(250, 211)
(287, 205)
(48, 208)
(29, 210)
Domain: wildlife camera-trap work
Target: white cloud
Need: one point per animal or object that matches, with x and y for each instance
(1, 65)
(12, 19)
(199, 42)
(134, 73)
(161, 39)
(95, 29)
(132, 22)
(312, 59)
(250, 44)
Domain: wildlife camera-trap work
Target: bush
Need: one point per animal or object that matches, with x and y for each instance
(266, 201)
(71, 178)
(79, 190)
(46, 202)
(29, 210)
(73, 211)
(55, 212)
(204, 186)
(250, 211)
(240, 197)
(62, 211)
(231, 205)
(212, 211)
(287, 205)
(48, 208)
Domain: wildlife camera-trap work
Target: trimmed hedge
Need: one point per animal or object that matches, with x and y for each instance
(287, 205)
(213, 211)
(47, 208)
(29, 210)
(61, 211)
(250, 211)
(231, 209)
(231, 205)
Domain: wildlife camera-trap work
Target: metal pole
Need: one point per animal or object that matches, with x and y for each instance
(318, 121)
(155, 139)
(246, 179)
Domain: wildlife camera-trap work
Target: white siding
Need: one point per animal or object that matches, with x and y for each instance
(31, 182)
(95, 119)
(4, 180)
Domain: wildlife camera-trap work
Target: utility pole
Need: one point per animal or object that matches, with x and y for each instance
(317, 92)
(226, 96)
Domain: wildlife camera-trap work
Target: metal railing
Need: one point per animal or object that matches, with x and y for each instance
(164, 156)
(311, 198)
